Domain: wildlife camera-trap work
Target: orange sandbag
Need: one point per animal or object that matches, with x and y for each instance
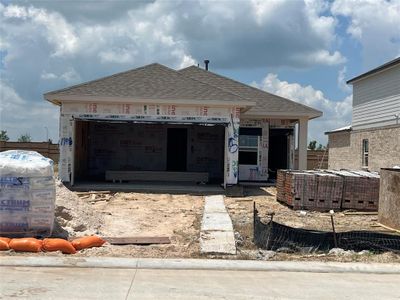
(26, 245)
(4, 243)
(58, 245)
(5, 239)
(87, 242)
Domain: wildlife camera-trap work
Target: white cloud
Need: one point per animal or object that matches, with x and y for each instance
(292, 33)
(375, 24)
(187, 61)
(341, 81)
(322, 57)
(260, 33)
(48, 76)
(19, 116)
(120, 56)
(57, 31)
(336, 113)
(69, 76)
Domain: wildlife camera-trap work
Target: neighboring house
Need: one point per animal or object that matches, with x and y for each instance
(157, 119)
(373, 140)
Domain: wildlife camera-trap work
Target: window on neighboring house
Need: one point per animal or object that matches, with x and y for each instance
(365, 152)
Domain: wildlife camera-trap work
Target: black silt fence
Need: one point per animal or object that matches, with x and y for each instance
(273, 236)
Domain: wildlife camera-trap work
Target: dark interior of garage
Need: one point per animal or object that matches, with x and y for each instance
(126, 146)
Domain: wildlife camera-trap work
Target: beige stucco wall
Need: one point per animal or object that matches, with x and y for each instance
(345, 148)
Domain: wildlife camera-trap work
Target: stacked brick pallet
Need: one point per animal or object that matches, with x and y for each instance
(307, 196)
(330, 190)
(325, 190)
(360, 190)
(280, 182)
(289, 186)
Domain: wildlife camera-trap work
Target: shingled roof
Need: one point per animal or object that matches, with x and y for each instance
(159, 83)
(154, 81)
(266, 103)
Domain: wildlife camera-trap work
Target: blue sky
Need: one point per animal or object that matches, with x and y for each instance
(302, 50)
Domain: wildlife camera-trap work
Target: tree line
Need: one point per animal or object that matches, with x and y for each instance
(23, 138)
(313, 146)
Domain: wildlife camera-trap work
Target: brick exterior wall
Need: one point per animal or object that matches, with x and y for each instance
(345, 148)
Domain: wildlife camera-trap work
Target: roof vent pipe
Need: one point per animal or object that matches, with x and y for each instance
(206, 62)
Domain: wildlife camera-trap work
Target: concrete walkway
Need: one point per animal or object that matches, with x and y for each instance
(98, 283)
(216, 235)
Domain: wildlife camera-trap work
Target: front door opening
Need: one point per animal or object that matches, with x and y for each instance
(278, 150)
(177, 149)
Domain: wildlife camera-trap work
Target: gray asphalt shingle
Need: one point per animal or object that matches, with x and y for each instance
(153, 81)
(265, 102)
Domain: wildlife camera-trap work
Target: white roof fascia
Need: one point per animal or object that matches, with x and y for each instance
(75, 98)
(283, 115)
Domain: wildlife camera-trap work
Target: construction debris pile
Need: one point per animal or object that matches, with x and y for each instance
(74, 217)
(27, 194)
(328, 189)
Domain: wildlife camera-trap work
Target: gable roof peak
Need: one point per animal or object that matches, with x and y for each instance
(150, 82)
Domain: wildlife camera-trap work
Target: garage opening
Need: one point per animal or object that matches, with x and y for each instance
(278, 152)
(148, 152)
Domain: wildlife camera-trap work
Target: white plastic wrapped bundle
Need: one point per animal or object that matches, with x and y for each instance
(20, 163)
(27, 194)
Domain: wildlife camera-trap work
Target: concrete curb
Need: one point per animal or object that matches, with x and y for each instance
(199, 264)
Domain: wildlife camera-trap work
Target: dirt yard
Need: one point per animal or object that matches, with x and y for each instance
(241, 212)
(129, 215)
(178, 217)
(137, 214)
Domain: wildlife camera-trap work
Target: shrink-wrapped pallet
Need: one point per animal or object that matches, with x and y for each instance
(27, 194)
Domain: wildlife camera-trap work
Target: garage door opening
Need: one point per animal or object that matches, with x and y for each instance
(278, 152)
(148, 152)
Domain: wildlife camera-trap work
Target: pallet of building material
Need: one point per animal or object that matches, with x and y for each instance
(310, 188)
(329, 191)
(294, 188)
(360, 190)
(27, 194)
(369, 198)
(280, 184)
(350, 188)
(285, 189)
(289, 188)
